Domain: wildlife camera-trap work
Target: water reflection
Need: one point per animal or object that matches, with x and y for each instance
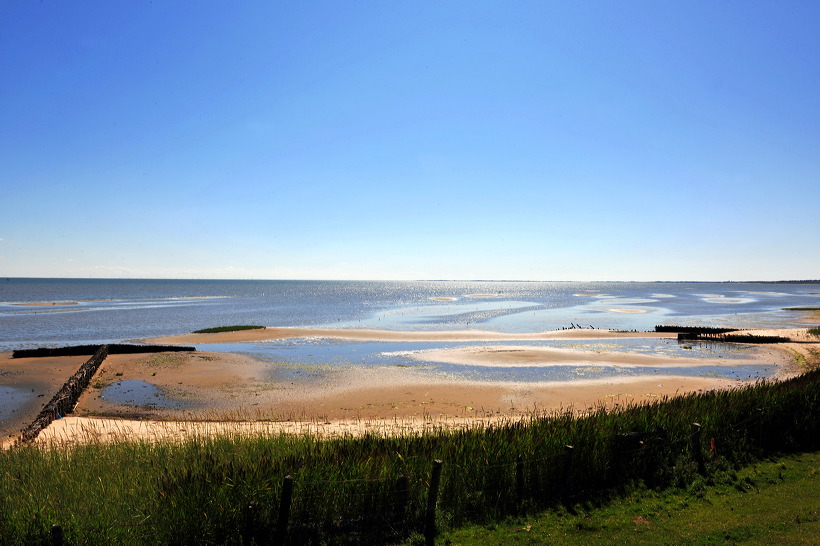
(312, 359)
(134, 392)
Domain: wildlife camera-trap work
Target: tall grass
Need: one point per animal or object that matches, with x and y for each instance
(226, 489)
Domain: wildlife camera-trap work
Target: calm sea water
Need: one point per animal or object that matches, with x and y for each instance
(55, 312)
(52, 312)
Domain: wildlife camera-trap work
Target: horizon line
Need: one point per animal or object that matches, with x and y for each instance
(794, 281)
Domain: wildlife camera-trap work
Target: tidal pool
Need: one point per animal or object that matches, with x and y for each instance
(11, 401)
(134, 392)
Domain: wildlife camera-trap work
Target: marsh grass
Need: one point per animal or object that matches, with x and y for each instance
(226, 488)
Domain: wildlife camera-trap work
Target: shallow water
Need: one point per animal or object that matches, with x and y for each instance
(139, 393)
(310, 359)
(11, 400)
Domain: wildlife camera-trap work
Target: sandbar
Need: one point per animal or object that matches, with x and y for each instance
(501, 356)
(46, 303)
(277, 333)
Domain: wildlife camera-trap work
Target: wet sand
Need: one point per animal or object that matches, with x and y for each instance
(236, 390)
(34, 381)
(358, 401)
(218, 386)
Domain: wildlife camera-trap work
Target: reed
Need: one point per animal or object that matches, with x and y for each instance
(226, 488)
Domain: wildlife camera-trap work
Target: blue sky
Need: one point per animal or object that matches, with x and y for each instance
(415, 140)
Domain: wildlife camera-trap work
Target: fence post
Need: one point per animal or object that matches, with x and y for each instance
(402, 498)
(284, 510)
(249, 523)
(432, 496)
(566, 472)
(697, 450)
(760, 439)
(519, 482)
(56, 535)
(657, 455)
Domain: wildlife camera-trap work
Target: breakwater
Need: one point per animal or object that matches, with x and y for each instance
(63, 402)
(694, 330)
(113, 349)
(705, 333)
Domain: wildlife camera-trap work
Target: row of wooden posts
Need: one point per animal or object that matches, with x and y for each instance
(63, 402)
(66, 398)
(735, 338)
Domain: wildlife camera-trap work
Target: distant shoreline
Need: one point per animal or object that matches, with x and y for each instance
(195, 279)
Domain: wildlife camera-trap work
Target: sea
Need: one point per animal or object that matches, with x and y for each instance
(37, 312)
(61, 312)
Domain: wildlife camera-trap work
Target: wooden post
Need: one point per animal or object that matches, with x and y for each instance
(519, 482)
(402, 498)
(284, 511)
(432, 497)
(249, 523)
(56, 535)
(656, 458)
(697, 450)
(567, 471)
(760, 439)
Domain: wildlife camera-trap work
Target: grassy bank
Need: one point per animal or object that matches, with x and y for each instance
(228, 490)
(770, 502)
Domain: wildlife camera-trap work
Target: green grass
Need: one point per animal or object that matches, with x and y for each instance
(815, 331)
(217, 490)
(234, 328)
(771, 502)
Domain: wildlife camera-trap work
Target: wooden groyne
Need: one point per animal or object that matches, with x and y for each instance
(705, 333)
(694, 330)
(63, 402)
(113, 349)
(66, 398)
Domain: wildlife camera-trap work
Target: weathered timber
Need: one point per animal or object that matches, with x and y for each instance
(114, 349)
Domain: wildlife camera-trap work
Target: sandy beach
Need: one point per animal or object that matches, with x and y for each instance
(399, 405)
(205, 392)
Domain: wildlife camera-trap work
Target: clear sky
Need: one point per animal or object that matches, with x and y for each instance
(545, 140)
